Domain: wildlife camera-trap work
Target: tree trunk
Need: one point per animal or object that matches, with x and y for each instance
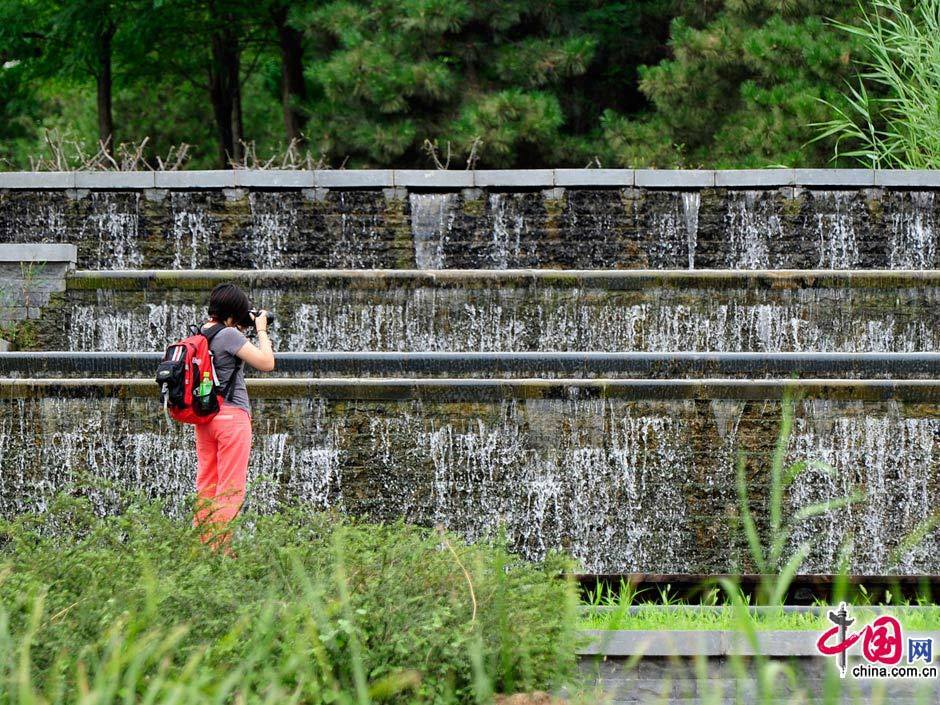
(293, 86)
(104, 81)
(224, 93)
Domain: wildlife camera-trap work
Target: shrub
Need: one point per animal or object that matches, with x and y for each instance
(314, 608)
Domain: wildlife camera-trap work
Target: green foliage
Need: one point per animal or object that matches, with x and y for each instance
(663, 83)
(448, 71)
(314, 609)
(744, 82)
(900, 127)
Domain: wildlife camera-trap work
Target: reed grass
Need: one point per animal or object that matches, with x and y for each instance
(891, 117)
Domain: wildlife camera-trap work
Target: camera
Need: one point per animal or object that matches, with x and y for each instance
(250, 321)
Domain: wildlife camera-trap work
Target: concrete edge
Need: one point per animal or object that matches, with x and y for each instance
(624, 643)
(38, 252)
(519, 178)
(483, 178)
(441, 389)
(626, 279)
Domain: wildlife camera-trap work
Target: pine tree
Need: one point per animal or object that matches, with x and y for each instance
(454, 72)
(745, 81)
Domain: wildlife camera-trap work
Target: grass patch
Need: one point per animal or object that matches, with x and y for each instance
(622, 609)
(315, 609)
(725, 617)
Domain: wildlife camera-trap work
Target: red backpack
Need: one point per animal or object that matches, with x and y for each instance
(180, 375)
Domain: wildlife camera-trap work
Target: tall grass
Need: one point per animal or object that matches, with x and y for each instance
(314, 609)
(891, 119)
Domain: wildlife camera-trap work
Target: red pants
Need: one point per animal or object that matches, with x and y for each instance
(222, 448)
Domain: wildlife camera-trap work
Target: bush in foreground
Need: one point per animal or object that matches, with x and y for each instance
(315, 609)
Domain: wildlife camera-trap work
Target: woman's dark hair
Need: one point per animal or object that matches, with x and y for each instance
(227, 300)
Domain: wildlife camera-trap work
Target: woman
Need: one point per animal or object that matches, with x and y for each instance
(224, 444)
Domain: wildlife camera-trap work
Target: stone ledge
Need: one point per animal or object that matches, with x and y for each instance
(703, 643)
(484, 178)
(354, 178)
(737, 178)
(37, 179)
(913, 178)
(518, 364)
(440, 178)
(275, 178)
(38, 252)
(608, 279)
(222, 178)
(115, 179)
(595, 177)
(674, 178)
(853, 178)
(524, 178)
(486, 390)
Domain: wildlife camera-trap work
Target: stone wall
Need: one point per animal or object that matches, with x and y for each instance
(543, 219)
(515, 311)
(627, 477)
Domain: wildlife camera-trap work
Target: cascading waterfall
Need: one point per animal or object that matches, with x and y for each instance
(126, 445)
(676, 231)
(691, 202)
(508, 225)
(38, 220)
(510, 320)
(100, 327)
(273, 225)
(835, 229)
(113, 221)
(914, 233)
(358, 244)
(193, 232)
(432, 219)
(751, 224)
(613, 497)
(888, 462)
(620, 484)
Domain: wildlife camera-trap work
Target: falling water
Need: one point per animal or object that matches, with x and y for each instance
(193, 232)
(609, 486)
(507, 228)
(124, 443)
(274, 219)
(620, 484)
(913, 230)
(113, 223)
(835, 229)
(751, 225)
(358, 243)
(432, 219)
(675, 232)
(889, 461)
(37, 219)
(518, 319)
(151, 327)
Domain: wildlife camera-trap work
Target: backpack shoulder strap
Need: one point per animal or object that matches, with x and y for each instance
(230, 385)
(210, 333)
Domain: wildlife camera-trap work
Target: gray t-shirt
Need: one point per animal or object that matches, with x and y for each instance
(224, 345)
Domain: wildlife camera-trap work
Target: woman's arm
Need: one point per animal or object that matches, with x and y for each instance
(261, 357)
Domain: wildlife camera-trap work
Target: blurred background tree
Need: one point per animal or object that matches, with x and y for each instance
(515, 83)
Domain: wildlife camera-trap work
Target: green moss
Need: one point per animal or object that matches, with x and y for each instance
(792, 206)
(22, 335)
(396, 221)
(473, 207)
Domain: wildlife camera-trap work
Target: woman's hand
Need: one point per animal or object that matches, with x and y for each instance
(262, 356)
